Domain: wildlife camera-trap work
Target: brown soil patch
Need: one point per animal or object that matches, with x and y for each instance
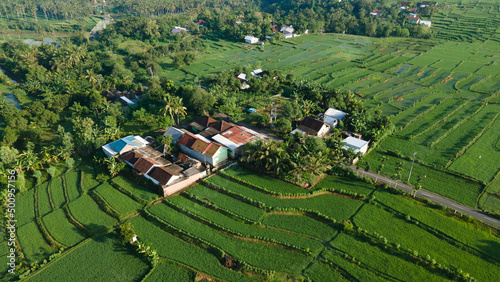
(317, 60)
(268, 60)
(385, 80)
(360, 95)
(447, 79)
(339, 53)
(224, 44)
(433, 75)
(293, 70)
(398, 99)
(420, 73)
(310, 50)
(203, 276)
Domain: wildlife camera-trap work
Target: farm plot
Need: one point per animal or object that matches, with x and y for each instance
(61, 229)
(142, 192)
(168, 271)
(422, 60)
(96, 260)
(266, 183)
(390, 64)
(354, 77)
(300, 224)
(395, 230)
(239, 228)
(406, 148)
(344, 183)
(25, 207)
(488, 85)
(353, 268)
(225, 202)
(383, 262)
(322, 272)
(440, 130)
(332, 206)
(33, 245)
(390, 83)
(57, 192)
(461, 137)
(468, 67)
(118, 201)
(364, 83)
(87, 212)
(468, 82)
(481, 160)
(398, 92)
(254, 253)
(72, 182)
(406, 117)
(459, 231)
(435, 78)
(418, 98)
(88, 178)
(44, 206)
(452, 186)
(172, 247)
(436, 115)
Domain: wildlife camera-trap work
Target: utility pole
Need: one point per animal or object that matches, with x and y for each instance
(412, 166)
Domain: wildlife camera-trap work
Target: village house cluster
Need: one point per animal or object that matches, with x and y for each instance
(411, 12)
(325, 123)
(207, 143)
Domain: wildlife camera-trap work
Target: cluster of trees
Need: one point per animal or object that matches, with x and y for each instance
(300, 159)
(351, 17)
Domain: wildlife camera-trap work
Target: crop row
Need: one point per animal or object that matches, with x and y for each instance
(396, 230)
(301, 224)
(118, 201)
(226, 203)
(134, 189)
(87, 212)
(258, 254)
(227, 224)
(172, 247)
(453, 228)
(439, 113)
(61, 229)
(326, 205)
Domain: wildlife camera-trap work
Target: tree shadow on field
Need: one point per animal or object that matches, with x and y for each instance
(492, 248)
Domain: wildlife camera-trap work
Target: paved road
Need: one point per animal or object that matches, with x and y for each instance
(433, 197)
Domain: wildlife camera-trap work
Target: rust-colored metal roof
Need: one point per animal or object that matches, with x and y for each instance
(182, 157)
(413, 19)
(162, 175)
(205, 121)
(131, 157)
(237, 135)
(143, 165)
(186, 140)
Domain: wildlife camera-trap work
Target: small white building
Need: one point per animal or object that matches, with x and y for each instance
(287, 29)
(250, 39)
(359, 146)
(426, 23)
(332, 116)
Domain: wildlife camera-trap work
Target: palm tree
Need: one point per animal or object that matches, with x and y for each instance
(169, 107)
(178, 108)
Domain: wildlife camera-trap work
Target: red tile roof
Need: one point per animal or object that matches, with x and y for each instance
(131, 157)
(162, 175)
(143, 165)
(221, 125)
(182, 157)
(412, 10)
(186, 140)
(377, 11)
(205, 121)
(413, 19)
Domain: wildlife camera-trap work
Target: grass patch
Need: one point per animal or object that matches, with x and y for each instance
(61, 229)
(86, 211)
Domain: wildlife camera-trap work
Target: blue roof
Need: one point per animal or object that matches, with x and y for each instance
(118, 145)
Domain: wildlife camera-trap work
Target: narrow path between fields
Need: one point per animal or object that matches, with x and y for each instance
(432, 196)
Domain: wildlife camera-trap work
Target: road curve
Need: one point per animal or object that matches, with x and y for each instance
(432, 196)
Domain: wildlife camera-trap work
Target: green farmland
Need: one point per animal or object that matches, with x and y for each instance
(270, 228)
